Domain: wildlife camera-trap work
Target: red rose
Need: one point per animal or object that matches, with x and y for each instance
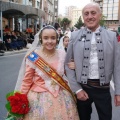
(19, 103)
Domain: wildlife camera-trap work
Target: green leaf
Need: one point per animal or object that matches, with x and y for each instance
(8, 107)
(16, 115)
(9, 94)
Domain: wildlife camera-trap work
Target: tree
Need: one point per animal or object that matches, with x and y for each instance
(65, 23)
(102, 21)
(79, 23)
(59, 20)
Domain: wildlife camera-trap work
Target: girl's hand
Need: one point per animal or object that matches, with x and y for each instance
(71, 64)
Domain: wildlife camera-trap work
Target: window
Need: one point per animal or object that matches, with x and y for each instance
(38, 4)
(110, 8)
(104, 5)
(115, 8)
(115, 11)
(110, 5)
(116, 0)
(105, 1)
(110, 1)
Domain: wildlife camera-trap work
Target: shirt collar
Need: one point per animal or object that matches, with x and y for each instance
(96, 31)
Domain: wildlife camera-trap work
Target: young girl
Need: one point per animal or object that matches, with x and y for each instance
(63, 44)
(49, 96)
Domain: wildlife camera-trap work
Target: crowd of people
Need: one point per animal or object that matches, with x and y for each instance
(15, 40)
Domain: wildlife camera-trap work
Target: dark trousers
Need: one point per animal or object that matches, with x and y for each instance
(102, 101)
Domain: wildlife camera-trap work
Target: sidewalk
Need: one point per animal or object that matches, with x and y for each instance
(14, 52)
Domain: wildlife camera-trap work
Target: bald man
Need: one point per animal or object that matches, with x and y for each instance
(97, 58)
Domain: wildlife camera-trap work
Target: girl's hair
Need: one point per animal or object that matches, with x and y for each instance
(47, 27)
(64, 38)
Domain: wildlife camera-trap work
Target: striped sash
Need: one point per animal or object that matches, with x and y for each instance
(43, 65)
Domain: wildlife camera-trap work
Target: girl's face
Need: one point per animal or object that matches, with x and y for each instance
(65, 42)
(49, 39)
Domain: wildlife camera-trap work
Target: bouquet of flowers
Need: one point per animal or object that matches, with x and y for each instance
(17, 105)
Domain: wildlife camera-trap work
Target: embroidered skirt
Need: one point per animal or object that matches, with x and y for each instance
(44, 106)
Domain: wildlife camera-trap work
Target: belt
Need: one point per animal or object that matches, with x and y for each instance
(95, 83)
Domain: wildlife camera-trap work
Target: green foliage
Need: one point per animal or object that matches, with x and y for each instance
(102, 21)
(79, 23)
(65, 22)
(119, 29)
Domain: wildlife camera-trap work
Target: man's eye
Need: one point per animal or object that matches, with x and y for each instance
(86, 14)
(93, 13)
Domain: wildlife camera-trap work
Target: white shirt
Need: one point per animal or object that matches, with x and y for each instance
(93, 63)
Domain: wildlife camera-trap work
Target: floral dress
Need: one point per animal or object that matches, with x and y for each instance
(48, 101)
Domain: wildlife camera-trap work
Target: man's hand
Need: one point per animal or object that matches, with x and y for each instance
(117, 100)
(82, 95)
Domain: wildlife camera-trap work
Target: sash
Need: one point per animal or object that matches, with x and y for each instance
(42, 65)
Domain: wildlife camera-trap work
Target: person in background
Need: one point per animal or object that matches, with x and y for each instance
(63, 44)
(49, 95)
(56, 26)
(118, 36)
(2, 47)
(7, 29)
(67, 32)
(60, 33)
(8, 41)
(96, 55)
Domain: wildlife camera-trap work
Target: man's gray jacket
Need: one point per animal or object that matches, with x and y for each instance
(108, 51)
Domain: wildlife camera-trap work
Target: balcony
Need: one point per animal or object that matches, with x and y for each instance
(24, 9)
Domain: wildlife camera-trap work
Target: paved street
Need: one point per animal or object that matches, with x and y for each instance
(9, 67)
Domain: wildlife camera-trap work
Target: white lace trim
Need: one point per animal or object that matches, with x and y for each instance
(60, 70)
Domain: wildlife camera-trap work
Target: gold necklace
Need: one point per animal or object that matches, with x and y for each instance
(47, 55)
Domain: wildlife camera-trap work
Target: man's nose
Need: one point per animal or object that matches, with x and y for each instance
(90, 16)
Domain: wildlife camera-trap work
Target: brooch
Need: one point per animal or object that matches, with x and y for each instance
(46, 68)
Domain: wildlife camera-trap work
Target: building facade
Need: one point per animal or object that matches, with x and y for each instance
(76, 15)
(69, 11)
(20, 14)
(111, 11)
(51, 11)
(55, 10)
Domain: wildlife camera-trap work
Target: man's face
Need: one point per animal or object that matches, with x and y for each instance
(91, 16)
